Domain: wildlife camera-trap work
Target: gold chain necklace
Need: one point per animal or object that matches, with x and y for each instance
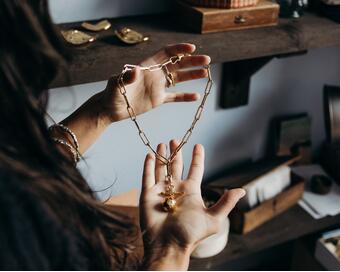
(170, 193)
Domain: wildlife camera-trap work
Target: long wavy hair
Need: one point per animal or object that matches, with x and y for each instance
(31, 55)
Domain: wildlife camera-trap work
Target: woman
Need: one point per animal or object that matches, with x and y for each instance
(50, 218)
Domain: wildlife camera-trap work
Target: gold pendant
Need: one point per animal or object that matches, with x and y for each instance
(169, 204)
(170, 195)
(77, 37)
(129, 36)
(102, 25)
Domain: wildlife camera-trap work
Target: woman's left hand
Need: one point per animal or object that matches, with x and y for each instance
(170, 237)
(147, 90)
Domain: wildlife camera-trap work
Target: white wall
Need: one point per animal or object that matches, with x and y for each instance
(284, 86)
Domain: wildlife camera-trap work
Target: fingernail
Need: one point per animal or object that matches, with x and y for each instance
(197, 146)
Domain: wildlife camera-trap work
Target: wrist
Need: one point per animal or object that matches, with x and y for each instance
(108, 111)
(167, 257)
(103, 115)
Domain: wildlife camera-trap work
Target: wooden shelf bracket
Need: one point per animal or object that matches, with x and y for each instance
(236, 79)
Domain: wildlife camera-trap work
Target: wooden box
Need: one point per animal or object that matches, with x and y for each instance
(244, 221)
(223, 3)
(326, 251)
(206, 20)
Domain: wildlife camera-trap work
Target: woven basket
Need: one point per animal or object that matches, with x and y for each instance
(227, 4)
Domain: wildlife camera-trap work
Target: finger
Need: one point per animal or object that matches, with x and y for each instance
(227, 202)
(160, 167)
(177, 163)
(190, 61)
(181, 76)
(197, 164)
(131, 76)
(173, 50)
(148, 172)
(181, 97)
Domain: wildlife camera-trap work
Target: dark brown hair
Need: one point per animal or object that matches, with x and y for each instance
(31, 55)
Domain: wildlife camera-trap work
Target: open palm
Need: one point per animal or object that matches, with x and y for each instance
(147, 90)
(191, 221)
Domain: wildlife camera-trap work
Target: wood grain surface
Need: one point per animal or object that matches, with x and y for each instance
(99, 60)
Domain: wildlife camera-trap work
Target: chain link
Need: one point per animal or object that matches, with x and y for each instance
(171, 61)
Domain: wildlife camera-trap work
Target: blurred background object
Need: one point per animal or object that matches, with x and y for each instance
(330, 157)
(292, 8)
(327, 250)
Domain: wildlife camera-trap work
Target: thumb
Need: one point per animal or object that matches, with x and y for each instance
(227, 202)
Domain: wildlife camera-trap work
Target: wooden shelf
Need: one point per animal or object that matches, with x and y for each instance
(97, 61)
(288, 226)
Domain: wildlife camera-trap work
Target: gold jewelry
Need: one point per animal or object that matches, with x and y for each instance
(169, 77)
(129, 36)
(102, 25)
(73, 151)
(77, 37)
(68, 131)
(170, 194)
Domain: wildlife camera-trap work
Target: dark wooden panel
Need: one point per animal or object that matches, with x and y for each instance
(98, 61)
(288, 226)
(236, 78)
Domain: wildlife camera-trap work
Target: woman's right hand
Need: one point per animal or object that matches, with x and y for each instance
(148, 90)
(170, 238)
